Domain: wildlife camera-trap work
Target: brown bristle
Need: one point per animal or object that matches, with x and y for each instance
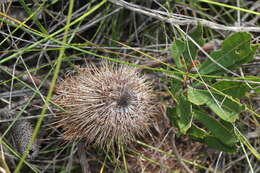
(105, 105)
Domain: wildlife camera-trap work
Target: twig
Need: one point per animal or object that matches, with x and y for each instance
(175, 151)
(82, 158)
(180, 19)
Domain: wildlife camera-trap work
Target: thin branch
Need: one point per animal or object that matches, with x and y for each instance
(82, 158)
(175, 151)
(180, 19)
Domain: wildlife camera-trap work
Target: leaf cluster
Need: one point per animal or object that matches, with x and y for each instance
(207, 109)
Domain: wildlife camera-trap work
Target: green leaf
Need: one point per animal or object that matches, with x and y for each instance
(257, 90)
(191, 51)
(174, 74)
(197, 36)
(234, 89)
(183, 110)
(202, 136)
(236, 50)
(181, 115)
(197, 132)
(187, 50)
(177, 50)
(225, 108)
(216, 128)
(173, 117)
(228, 126)
(213, 142)
(176, 86)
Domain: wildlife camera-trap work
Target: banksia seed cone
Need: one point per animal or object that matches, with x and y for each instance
(105, 105)
(22, 132)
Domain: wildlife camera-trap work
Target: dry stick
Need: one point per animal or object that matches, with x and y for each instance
(179, 19)
(175, 151)
(82, 158)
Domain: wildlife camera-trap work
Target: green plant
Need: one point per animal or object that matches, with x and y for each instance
(207, 99)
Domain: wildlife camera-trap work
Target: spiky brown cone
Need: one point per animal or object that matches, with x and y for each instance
(105, 105)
